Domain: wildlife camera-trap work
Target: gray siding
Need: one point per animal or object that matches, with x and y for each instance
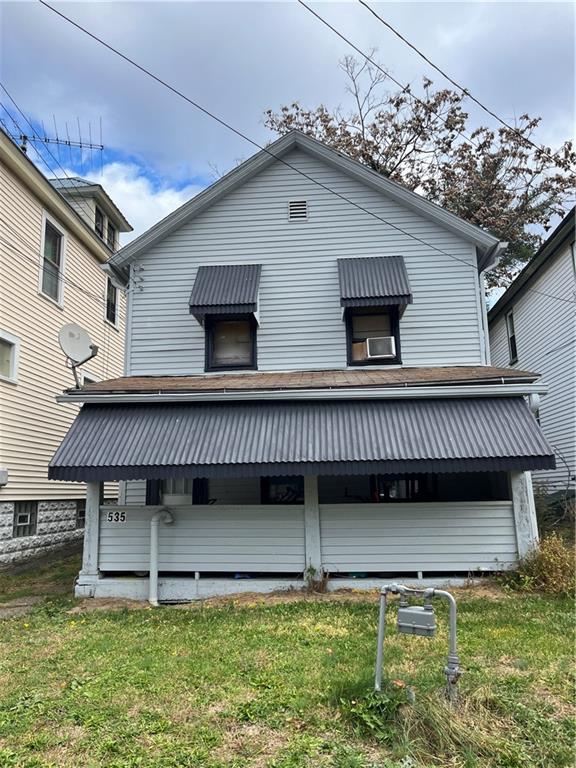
(207, 538)
(454, 536)
(299, 305)
(546, 344)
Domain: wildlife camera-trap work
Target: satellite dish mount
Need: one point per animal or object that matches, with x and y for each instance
(76, 345)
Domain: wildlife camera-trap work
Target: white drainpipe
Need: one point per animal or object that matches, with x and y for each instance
(165, 516)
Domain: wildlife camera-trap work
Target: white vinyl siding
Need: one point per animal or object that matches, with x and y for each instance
(546, 344)
(268, 539)
(300, 318)
(446, 536)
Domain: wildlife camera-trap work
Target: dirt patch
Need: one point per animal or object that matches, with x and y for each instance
(249, 740)
(19, 607)
(92, 604)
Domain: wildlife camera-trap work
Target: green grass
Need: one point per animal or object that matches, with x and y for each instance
(275, 684)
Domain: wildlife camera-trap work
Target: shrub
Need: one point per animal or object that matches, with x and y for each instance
(375, 713)
(549, 568)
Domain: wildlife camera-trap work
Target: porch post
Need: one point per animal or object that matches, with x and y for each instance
(86, 582)
(524, 512)
(312, 528)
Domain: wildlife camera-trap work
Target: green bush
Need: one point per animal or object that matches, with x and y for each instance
(375, 713)
(550, 568)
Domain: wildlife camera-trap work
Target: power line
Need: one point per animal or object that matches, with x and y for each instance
(464, 90)
(405, 88)
(41, 156)
(36, 260)
(254, 143)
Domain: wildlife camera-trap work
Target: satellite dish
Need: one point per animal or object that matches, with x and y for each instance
(75, 343)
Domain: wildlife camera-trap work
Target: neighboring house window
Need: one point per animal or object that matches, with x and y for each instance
(25, 518)
(511, 337)
(9, 353)
(111, 302)
(230, 343)
(87, 378)
(373, 337)
(111, 239)
(81, 514)
(99, 223)
(52, 262)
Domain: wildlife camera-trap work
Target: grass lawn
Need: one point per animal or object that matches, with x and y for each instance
(278, 682)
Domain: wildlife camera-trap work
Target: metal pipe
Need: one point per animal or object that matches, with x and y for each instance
(380, 648)
(452, 668)
(165, 516)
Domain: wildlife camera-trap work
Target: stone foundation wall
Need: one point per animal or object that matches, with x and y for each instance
(56, 525)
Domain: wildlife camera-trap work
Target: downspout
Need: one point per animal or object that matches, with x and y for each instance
(162, 516)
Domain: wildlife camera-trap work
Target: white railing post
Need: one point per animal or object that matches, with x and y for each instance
(312, 529)
(524, 512)
(86, 582)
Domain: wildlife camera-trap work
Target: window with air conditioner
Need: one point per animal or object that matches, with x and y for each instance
(373, 337)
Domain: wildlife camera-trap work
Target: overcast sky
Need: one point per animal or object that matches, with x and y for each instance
(239, 58)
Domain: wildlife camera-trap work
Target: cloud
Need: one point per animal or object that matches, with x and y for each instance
(144, 201)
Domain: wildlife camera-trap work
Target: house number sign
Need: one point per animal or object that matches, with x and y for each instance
(116, 516)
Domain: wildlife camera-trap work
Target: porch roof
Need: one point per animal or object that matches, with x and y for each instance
(152, 441)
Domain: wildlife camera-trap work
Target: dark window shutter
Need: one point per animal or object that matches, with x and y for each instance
(153, 492)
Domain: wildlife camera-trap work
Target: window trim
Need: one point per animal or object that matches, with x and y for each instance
(116, 323)
(209, 323)
(513, 354)
(98, 209)
(111, 225)
(47, 219)
(14, 341)
(32, 520)
(394, 313)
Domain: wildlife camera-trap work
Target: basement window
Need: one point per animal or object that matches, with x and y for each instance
(298, 210)
(25, 519)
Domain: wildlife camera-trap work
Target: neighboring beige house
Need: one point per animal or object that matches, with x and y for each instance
(54, 238)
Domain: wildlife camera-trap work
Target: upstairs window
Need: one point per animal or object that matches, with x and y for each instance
(52, 260)
(373, 337)
(111, 303)
(99, 222)
(230, 343)
(511, 338)
(111, 239)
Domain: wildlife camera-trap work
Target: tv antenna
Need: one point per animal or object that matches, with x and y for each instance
(76, 345)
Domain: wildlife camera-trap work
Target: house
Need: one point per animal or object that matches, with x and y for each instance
(51, 273)
(307, 393)
(532, 326)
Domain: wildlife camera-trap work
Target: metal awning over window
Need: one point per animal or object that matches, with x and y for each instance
(149, 441)
(374, 282)
(228, 289)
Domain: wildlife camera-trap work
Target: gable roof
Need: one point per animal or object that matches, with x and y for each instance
(75, 186)
(486, 243)
(563, 233)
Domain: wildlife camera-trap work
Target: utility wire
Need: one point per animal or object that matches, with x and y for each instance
(37, 261)
(254, 143)
(41, 156)
(464, 90)
(405, 88)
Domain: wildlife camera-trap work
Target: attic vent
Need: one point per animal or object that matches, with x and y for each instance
(297, 210)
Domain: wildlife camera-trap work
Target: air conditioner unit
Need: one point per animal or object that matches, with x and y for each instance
(381, 346)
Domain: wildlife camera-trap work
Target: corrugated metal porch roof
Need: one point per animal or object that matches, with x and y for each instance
(123, 442)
